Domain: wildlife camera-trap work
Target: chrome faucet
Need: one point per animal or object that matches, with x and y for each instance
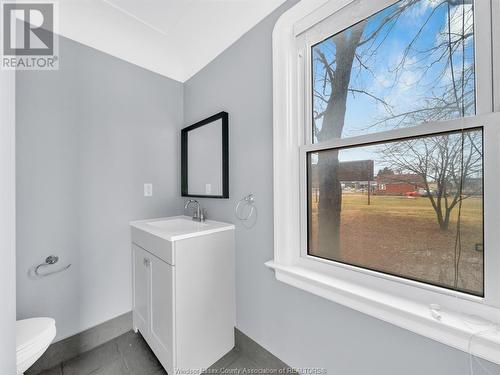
(199, 214)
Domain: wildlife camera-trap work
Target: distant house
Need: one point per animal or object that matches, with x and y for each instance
(398, 184)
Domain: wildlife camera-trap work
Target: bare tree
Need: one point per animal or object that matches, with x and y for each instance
(449, 165)
(351, 53)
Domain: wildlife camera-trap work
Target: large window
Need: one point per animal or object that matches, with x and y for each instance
(411, 208)
(386, 149)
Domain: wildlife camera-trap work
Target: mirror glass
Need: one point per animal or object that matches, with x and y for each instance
(205, 158)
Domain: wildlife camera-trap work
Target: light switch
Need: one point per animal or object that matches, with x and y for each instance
(208, 188)
(148, 190)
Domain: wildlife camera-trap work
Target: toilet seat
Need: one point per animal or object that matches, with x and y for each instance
(33, 337)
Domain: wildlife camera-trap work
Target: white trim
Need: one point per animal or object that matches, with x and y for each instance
(286, 138)
(322, 11)
(7, 222)
(402, 302)
(483, 56)
(429, 128)
(495, 20)
(451, 330)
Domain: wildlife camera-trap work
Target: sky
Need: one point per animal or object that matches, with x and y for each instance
(409, 87)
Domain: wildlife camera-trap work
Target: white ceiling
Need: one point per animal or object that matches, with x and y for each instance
(175, 38)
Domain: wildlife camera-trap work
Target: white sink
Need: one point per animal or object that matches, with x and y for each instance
(179, 227)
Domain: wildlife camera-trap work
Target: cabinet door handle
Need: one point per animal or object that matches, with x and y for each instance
(146, 262)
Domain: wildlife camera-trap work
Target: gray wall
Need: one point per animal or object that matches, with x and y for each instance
(7, 223)
(88, 137)
(300, 328)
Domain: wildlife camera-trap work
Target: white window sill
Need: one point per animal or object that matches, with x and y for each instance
(454, 329)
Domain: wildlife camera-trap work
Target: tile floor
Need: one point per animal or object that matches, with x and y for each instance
(130, 355)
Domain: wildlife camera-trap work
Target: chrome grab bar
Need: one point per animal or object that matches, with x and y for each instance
(50, 260)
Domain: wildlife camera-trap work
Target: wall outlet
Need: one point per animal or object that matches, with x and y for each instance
(148, 190)
(208, 188)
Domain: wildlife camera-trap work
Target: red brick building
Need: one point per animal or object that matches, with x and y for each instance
(398, 184)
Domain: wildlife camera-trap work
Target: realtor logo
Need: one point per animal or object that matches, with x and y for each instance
(29, 40)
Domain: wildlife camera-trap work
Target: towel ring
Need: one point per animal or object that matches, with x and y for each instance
(246, 201)
(50, 260)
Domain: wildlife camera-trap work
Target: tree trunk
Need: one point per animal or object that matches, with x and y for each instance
(329, 205)
(330, 190)
(443, 218)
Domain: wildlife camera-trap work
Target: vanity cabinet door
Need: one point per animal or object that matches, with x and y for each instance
(141, 280)
(162, 311)
(153, 312)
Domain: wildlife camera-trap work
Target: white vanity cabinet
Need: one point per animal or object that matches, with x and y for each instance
(183, 290)
(153, 312)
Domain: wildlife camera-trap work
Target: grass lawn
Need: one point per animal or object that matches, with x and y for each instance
(401, 236)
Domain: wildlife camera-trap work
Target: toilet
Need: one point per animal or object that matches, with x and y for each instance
(33, 337)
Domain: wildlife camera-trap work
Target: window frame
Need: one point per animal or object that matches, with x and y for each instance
(491, 258)
(339, 21)
(367, 140)
(397, 300)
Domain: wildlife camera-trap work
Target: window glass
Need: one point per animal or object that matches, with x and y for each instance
(411, 208)
(410, 63)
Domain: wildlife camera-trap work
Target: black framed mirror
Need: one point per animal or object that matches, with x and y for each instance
(205, 158)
